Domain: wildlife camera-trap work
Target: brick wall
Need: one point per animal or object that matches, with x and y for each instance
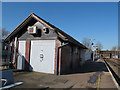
(57, 43)
(27, 56)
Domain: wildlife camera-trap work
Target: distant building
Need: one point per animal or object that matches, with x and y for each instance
(37, 45)
(110, 54)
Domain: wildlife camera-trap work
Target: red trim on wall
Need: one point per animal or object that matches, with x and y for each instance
(16, 56)
(60, 61)
(57, 43)
(13, 43)
(27, 56)
(10, 47)
(10, 51)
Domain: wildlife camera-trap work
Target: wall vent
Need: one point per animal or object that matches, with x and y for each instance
(32, 29)
(45, 30)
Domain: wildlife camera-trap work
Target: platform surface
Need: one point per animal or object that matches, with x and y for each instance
(85, 78)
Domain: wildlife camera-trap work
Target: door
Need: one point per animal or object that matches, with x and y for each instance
(42, 56)
(21, 55)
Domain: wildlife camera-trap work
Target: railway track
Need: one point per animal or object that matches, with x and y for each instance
(114, 63)
(114, 67)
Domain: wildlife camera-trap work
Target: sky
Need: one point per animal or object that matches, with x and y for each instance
(92, 20)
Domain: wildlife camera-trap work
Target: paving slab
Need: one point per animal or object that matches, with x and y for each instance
(106, 81)
(85, 78)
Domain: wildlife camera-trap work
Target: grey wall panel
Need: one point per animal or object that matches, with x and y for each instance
(40, 34)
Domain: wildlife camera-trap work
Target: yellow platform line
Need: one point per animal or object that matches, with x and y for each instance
(98, 85)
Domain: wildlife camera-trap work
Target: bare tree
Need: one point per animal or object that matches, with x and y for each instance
(99, 45)
(114, 48)
(86, 42)
(3, 33)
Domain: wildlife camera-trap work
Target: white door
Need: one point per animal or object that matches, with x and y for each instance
(42, 56)
(21, 55)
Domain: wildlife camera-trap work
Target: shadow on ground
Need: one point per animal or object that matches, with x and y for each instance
(91, 66)
(78, 79)
(87, 67)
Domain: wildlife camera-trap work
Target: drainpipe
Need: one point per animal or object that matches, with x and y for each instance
(57, 68)
(8, 56)
(15, 50)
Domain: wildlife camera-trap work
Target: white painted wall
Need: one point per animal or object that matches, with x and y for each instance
(115, 56)
(85, 55)
(45, 49)
(21, 55)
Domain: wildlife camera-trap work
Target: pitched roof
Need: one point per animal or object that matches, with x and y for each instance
(60, 32)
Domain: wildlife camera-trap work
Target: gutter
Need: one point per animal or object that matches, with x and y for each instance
(57, 68)
(55, 30)
(62, 38)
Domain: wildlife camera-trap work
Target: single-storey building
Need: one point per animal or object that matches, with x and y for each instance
(37, 45)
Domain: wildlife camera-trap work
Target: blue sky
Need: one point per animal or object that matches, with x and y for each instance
(80, 19)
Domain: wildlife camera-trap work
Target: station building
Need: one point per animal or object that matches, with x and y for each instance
(37, 45)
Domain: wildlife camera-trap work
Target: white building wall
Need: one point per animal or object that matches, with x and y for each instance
(21, 55)
(85, 55)
(115, 56)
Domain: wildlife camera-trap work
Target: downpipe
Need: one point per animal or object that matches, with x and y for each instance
(58, 48)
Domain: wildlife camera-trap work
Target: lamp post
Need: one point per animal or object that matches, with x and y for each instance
(95, 51)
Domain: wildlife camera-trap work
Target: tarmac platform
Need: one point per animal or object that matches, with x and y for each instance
(93, 75)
